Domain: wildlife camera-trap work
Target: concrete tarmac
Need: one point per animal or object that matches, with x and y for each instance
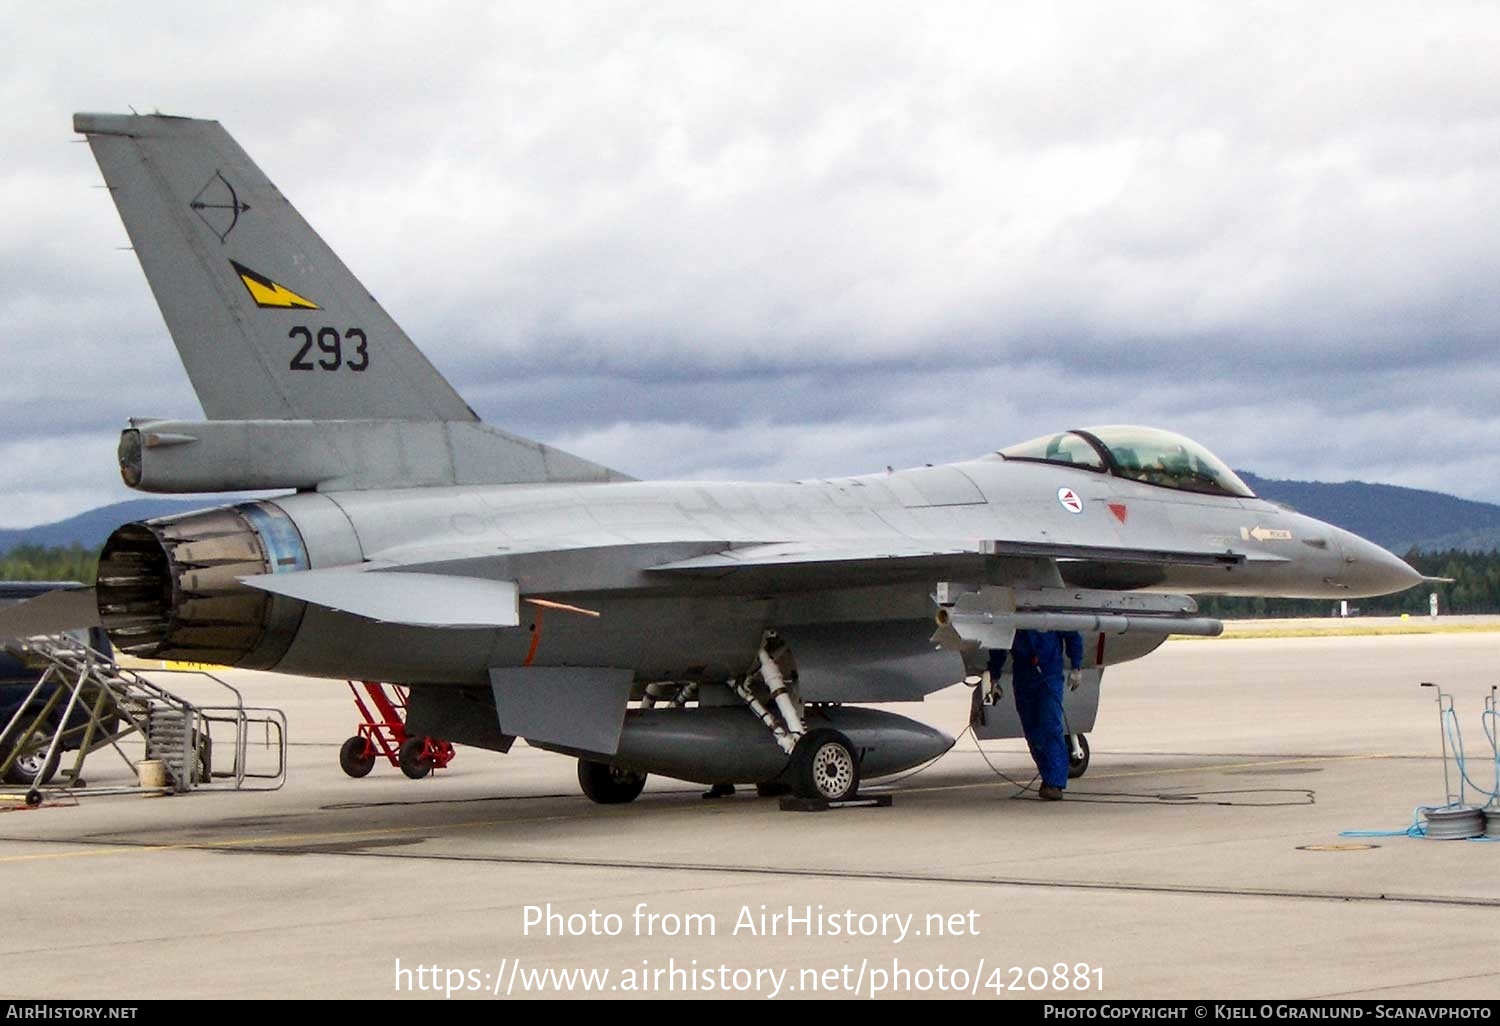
(1200, 857)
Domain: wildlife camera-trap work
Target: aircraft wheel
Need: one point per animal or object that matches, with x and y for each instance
(1079, 766)
(609, 785)
(356, 758)
(203, 770)
(824, 766)
(412, 761)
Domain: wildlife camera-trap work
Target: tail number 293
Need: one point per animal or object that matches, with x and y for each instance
(351, 350)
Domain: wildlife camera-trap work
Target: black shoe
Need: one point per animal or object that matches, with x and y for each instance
(719, 791)
(1049, 793)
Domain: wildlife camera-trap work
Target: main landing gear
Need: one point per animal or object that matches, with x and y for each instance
(825, 766)
(822, 765)
(609, 785)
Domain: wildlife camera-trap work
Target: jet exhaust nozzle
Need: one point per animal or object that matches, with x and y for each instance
(169, 588)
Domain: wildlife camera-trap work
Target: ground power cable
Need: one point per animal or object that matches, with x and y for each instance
(886, 783)
(1305, 796)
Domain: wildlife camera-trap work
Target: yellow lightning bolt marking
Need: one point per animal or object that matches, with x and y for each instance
(271, 294)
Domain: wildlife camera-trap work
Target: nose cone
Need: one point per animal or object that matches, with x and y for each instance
(1370, 570)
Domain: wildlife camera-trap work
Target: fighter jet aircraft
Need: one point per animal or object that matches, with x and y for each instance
(707, 631)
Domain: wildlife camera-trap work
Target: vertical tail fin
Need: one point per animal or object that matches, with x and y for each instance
(269, 323)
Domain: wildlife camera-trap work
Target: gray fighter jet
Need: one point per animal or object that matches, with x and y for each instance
(713, 632)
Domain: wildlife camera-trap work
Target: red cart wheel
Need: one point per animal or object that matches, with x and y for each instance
(414, 758)
(356, 757)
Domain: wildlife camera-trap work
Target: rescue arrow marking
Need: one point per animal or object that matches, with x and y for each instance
(1261, 534)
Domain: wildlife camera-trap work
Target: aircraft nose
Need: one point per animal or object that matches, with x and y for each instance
(1371, 570)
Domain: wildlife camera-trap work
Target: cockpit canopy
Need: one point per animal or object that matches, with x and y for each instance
(1142, 454)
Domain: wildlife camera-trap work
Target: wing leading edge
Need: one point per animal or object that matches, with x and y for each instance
(806, 563)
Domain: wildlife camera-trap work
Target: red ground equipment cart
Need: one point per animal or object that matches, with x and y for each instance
(384, 733)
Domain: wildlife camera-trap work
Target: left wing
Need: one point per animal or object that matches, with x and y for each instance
(457, 586)
(987, 617)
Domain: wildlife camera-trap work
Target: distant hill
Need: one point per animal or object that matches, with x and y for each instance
(1397, 518)
(92, 528)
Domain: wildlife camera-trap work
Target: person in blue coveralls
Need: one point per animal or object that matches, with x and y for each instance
(1037, 673)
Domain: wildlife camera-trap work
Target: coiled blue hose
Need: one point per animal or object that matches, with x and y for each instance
(1454, 733)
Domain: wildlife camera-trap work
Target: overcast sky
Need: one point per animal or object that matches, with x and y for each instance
(790, 240)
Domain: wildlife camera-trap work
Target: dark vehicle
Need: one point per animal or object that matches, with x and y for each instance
(18, 678)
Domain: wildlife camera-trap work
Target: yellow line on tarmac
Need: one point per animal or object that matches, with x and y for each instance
(86, 853)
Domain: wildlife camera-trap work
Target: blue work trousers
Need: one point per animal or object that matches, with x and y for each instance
(1039, 702)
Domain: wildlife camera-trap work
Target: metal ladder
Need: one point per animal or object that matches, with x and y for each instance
(119, 702)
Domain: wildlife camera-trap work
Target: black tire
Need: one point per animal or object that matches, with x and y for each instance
(356, 757)
(33, 798)
(411, 760)
(825, 767)
(1078, 767)
(773, 789)
(28, 769)
(609, 785)
(203, 771)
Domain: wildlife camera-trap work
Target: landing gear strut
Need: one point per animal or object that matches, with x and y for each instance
(1078, 755)
(821, 764)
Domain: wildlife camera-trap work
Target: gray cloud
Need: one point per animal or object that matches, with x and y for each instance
(700, 239)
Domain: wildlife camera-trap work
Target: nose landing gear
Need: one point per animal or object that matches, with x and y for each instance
(1078, 755)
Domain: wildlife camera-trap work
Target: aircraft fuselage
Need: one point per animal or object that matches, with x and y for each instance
(596, 547)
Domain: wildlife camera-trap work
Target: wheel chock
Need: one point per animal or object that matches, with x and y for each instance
(874, 801)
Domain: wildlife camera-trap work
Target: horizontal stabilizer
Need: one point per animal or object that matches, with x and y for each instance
(52, 613)
(416, 600)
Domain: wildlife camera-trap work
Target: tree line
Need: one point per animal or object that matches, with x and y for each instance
(41, 563)
(1475, 587)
